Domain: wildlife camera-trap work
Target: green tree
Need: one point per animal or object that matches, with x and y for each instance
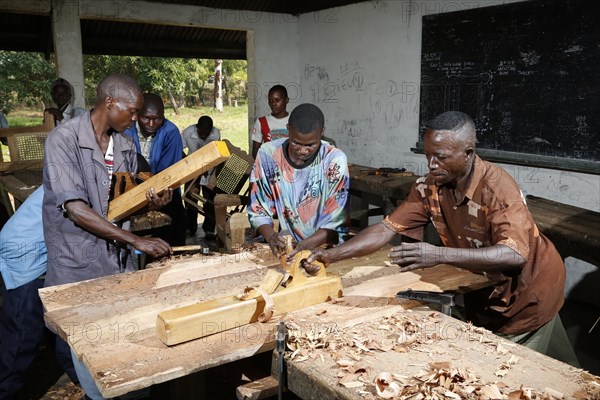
(25, 79)
(177, 79)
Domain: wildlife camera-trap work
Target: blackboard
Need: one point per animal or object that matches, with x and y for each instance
(528, 73)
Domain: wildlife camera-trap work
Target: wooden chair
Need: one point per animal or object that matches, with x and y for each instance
(22, 174)
(26, 144)
(229, 182)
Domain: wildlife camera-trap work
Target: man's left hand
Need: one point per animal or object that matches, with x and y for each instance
(411, 256)
(156, 201)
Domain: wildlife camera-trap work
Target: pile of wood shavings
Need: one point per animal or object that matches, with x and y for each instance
(404, 333)
(68, 391)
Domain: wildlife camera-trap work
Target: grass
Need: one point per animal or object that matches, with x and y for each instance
(232, 122)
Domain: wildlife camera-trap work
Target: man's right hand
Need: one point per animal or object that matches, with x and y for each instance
(154, 247)
(277, 244)
(156, 201)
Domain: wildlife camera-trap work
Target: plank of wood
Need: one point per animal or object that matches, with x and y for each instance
(110, 322)
(574, 231)
(213, 316)
(259, 389)
(183, 171)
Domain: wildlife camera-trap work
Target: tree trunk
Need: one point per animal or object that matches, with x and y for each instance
(218, 81)
(175, 108)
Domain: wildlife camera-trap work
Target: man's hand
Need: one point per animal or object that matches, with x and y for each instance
(411, 256)
(277, 244)
(321, 255)
(154, 247)
(157, 201)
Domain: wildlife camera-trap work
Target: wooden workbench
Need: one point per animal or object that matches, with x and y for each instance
(110, 322)
(573, 230)
(426, 353)
(383, 191)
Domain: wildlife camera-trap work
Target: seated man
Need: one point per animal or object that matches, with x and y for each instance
(195, 137)
(158, 140)
(303, 181)
(62, 95)
(486, 227)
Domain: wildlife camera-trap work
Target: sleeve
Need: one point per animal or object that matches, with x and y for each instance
(62, 170)
(256, 133)
(171, 149)
(185, 138)
(336, 186)
(411, 215)
(262, 204)
(512, 226)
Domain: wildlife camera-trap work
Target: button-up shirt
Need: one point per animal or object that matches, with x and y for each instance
(493, 211)
(75, 169)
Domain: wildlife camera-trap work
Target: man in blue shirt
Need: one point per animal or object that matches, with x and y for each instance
(158, 140)
(23, 259)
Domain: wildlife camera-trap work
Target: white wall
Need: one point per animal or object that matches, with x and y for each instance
(361, 65)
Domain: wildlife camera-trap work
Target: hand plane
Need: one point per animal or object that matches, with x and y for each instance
(279, 292)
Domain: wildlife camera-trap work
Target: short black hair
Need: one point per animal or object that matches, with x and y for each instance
(450, 121)
(458, 122)
(306, 118)
(205, 124)
(119, 87)
(279, 88)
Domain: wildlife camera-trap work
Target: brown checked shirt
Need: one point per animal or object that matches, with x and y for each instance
(493, 211)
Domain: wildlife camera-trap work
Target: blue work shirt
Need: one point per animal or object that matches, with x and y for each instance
(166, 148)
(23, 254)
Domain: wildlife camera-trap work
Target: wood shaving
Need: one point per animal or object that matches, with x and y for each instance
(408, 332)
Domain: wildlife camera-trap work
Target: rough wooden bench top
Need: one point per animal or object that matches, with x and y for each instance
(427, 354)
(574, 231)
(110, 322)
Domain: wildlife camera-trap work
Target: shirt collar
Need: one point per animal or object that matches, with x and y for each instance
(477, 173)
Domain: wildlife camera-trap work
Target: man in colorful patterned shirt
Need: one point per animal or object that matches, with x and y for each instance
(486, 227)
(303, 181)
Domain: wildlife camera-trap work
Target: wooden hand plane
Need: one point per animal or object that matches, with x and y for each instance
(279, 292)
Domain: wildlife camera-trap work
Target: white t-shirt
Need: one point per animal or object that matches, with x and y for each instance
(278, 127)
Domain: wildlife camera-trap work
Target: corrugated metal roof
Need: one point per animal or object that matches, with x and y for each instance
(22, 32)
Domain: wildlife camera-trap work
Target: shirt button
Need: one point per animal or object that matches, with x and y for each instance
(105, 182)
(459, 237)
(455, 207)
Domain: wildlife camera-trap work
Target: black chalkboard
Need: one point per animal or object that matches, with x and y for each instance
(528, 73)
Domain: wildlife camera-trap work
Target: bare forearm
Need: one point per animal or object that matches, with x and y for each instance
(88, 219)
(486, 259)
(318, 238)
(365, 242)
(496, 258)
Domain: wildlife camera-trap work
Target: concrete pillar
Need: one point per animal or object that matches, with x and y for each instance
(66, 33)
(251, 85)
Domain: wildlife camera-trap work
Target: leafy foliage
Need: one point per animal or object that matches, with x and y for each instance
(25, 79)
(185, 79)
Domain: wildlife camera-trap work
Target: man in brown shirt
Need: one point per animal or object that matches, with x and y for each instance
(485, 226)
